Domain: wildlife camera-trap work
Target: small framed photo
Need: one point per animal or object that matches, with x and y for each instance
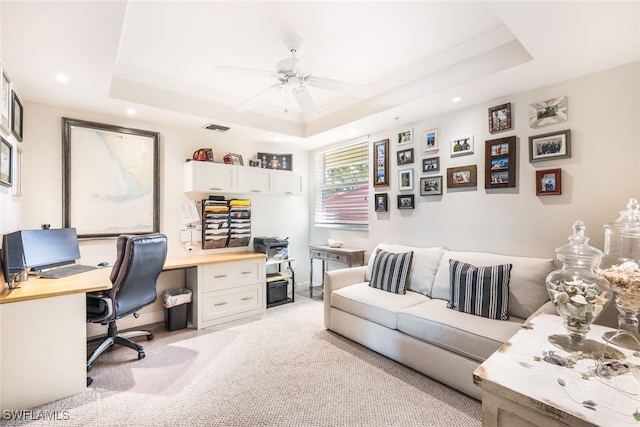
(431, 140)
(381, 163)
(500, 163)
(405, 157)
(463, 176)
(462, 146)
(405, 179)
(431, 185)
(275, 161)
(431, 164)
(548, 112)
(500, 118)
(550, 146)
(255, 163)
(405, 136)
(6, 161)
(549, 182)
(406, 201)
(16, 116)
(233, 159)
(382, 202)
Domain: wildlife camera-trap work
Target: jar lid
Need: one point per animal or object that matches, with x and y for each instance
(578, 252)
(629, 221)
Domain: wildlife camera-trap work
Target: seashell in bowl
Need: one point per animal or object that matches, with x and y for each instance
(335, 243)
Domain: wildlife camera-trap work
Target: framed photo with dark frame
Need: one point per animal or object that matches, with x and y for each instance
(405, 157)
(406, 201)
(382, 202)
(431, 164)
(6, 162)
(405, 179)
(500, 118)
(381, 163)
(462, 176)
(500, 163)
(548, 112)
(549, 182)
(431, 185)
(431, 140)
(275, 161)
(111, 179)
(16, 116)
(461, 146)
(550, 146)
(405, 136)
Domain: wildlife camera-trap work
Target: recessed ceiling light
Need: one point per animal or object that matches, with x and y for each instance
(131, 111)
(62, 78)
(456, 99)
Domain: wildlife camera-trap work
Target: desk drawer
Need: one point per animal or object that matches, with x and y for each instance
(225, 275)
(231, 301)
(315, 253)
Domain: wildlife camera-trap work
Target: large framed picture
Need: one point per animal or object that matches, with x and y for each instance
(431, 140)
(110, 180)
(17, 112)
(382, 202)
(461, 146)
(550, 146)
(381, 163)
(500, 163)
(431, 185)
(549, 182)
(5, 101)
(6, 162)
(406, 201)
(405, 179)
(500, 118)
(462, 176)
(548, 112)
(405, 157)
(431, 164)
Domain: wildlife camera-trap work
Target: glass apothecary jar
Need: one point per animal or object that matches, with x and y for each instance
(579, 294)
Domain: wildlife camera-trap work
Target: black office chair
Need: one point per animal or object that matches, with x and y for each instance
(138, 264)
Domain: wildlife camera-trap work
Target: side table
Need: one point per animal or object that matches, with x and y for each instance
(347, 256)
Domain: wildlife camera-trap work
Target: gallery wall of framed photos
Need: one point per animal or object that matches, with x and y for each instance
(11, 134)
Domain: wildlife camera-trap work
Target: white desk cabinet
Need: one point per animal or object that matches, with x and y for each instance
(208, 177)
(228, 290)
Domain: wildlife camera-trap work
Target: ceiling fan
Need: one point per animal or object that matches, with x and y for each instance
(290, 76)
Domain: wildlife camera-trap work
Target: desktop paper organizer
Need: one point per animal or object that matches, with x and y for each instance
(225, 223)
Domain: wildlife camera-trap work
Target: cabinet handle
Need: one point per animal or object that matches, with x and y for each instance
(256, 191)
(215, 188)
(246, 272)
(219, 304)
(246, 298)
(220, 276)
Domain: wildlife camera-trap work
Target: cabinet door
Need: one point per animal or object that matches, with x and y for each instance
(254, 180)
(207, 177)
(288, 183)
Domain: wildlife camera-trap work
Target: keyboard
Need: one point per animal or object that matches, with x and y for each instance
(61, 272)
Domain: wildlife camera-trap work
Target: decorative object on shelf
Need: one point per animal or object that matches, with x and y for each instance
(500, 118)
(431, 140)
(406, 201)
(17, 112)
(432, 164)
(550, 146)
(5, 101)
(500, 163)
(381, 163)
(405, 136)
(578, 293)
(382, 202)
(405, 179)
(6, 160)
(203, 155)
(431, 185)
(233, 159)
(462, 176)
(620, 267)
(549, 182)
(461, 146)
(335, 243)
(405, 157)
(255, 163)
(276, 161)
(548, 112)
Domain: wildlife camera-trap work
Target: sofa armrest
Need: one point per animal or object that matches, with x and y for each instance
(336, 279)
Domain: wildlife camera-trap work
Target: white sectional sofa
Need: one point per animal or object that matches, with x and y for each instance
(417, 328)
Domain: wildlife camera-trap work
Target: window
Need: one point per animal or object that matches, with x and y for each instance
(342, 186)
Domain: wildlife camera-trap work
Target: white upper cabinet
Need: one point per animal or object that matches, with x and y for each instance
(208, 176)
(255, 180)
(288, 183)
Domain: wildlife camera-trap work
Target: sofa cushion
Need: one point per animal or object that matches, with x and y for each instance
(374, 304)
(527, 289)
(390, 272)
(483, 291)
(423, 268)
(463, 333)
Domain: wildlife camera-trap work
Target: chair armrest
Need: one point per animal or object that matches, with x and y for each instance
(99, 307)
(336, 279)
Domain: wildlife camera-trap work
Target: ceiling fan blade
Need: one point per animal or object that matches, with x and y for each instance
(244, 70)
(351, 89)
(308, 107)
(254, 100)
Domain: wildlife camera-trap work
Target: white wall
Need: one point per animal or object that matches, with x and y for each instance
(597, 181)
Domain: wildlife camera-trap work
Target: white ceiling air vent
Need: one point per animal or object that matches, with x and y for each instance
(217, 128)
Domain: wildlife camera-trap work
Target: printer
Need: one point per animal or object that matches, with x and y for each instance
(274, 247)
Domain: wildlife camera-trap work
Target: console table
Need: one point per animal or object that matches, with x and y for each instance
(347, 256)
(519, 388)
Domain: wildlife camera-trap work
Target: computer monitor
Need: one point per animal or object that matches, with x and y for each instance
(48, 248)
(11, 256)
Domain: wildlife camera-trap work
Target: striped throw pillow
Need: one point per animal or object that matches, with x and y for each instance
(483, 291)
(390, 271)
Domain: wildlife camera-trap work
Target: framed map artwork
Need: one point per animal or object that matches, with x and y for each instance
(110, 179)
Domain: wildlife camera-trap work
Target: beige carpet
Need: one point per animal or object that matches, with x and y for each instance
(280, 369)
